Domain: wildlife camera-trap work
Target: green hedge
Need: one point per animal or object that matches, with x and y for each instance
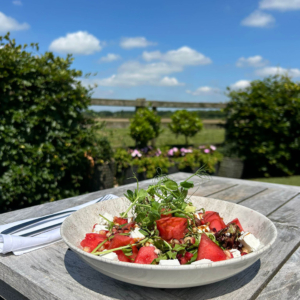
(263, 126)
(45, 141)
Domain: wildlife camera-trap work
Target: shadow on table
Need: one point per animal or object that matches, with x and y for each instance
(106, 286)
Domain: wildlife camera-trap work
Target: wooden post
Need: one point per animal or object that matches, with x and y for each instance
(140, 102)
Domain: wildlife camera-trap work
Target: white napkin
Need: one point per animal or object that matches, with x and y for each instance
(19, 245)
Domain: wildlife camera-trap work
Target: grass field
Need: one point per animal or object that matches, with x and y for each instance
(291, 180)
(119, 137)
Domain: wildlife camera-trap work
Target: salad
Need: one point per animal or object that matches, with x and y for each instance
(164, 228)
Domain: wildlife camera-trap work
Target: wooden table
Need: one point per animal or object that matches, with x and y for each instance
(55, 272)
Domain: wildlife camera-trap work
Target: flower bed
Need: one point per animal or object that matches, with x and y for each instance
(146, 162)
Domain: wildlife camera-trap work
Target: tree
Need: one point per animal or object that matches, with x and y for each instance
(45, 140)
(144, 126)
(185, 123)
(263, 124)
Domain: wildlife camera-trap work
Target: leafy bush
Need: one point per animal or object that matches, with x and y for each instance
(200, 158)
(151, 165)
(144, 127)
(263, 123)
(44, 139)
(185, 123)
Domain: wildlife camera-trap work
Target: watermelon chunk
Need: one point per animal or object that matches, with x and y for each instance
(146, 255)
(209, 250)
(92, 240)
(120, 221)
(237, 222)
(123, 257)
(216, 222)
(165, 216)
(172, 228)
(119, 241)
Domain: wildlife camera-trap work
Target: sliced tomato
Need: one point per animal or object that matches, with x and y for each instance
(92, 240)
(120, 241)
(165, 216)
(209, 250)
(237, 222)
(172, 227)
(146, 255)
(120, 221)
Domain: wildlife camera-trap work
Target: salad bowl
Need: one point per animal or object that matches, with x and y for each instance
(79, 223)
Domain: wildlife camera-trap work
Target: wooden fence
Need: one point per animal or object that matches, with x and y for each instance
(141, 102)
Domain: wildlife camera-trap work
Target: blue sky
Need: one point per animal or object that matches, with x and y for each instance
(164, 50)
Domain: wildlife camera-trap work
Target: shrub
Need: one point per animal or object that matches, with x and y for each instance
(44, 139)
(144, 127)
(263, 123)
(200, 158)
(185, 123)
(153, 165)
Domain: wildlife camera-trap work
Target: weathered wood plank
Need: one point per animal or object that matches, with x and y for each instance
(209, 188)
(286, 284)
(238, 193)
(269, 200)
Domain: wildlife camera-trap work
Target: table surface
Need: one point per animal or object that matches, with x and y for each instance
(55, 272)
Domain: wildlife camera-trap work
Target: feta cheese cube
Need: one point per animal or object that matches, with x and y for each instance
(235, 253)
(108, 217)
(111, 256)
(136, 234)
(201, 261)
(99, 227)
(249, 241)
(169, 262)
(203, 228)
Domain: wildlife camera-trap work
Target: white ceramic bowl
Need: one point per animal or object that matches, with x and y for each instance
(75, 227)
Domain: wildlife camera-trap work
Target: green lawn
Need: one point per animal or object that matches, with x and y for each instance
(291, 180)
(119, 137)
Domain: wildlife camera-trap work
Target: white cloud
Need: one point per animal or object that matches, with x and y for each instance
(135, 42)
(80, 42)
(253, 61)
(170, 81)
(278, 71)
(18, 3)
(203, 90)
(258, 19)
(134, 73)
(110, 57)
(10, 24)
(282, 5)
(241, 84)
(183, 56)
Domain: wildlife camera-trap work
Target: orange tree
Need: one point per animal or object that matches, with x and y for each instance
(45, 141)
(263, 125)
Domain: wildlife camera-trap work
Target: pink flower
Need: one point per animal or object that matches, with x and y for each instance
(136, 153)
(171, 152)
(158, 152)
(206, 150)
(201, 147)
(213, 148)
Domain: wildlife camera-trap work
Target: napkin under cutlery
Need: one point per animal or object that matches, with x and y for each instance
(44, 232)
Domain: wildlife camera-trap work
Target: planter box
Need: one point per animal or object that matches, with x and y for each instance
(103, 177)
(231, 167)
